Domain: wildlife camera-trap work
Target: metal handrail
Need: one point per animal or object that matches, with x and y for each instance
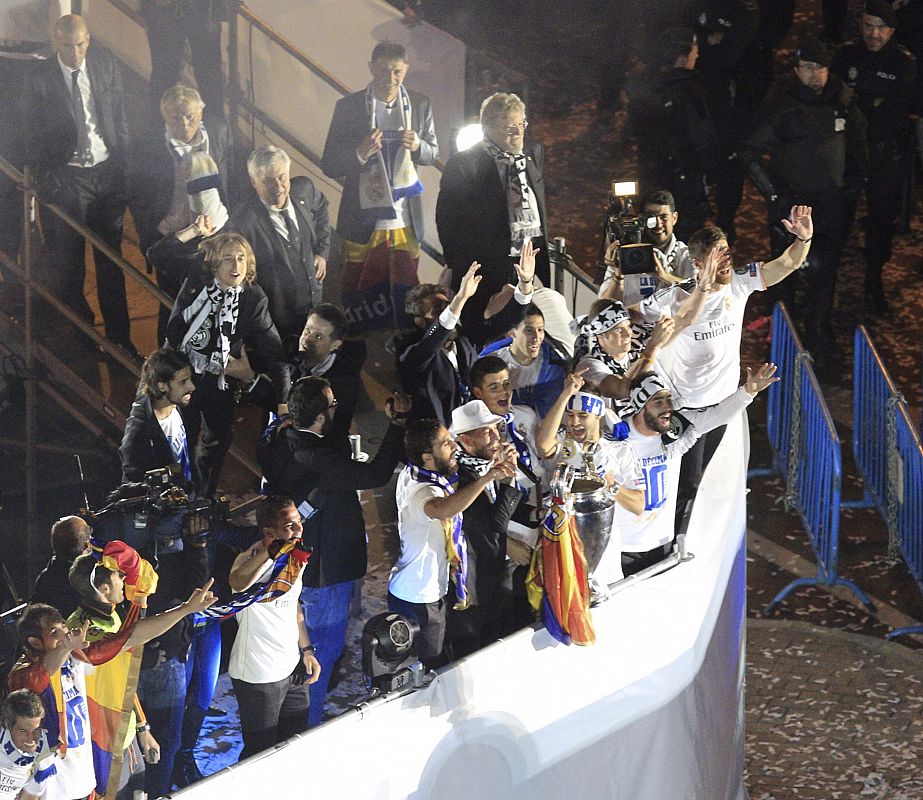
(129, 269)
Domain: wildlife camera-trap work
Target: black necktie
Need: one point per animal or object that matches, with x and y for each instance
(294, 239)
(299, 268)
(82, 153)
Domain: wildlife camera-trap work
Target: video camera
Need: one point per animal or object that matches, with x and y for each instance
(150, 515)
(624, 225)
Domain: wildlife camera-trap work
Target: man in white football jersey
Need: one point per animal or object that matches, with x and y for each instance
(659, 436)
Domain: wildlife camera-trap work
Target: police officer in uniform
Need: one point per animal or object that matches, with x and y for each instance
(881, 73)
(813, 130)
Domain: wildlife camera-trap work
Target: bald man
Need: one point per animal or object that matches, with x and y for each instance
(76, 141)
(70, 537)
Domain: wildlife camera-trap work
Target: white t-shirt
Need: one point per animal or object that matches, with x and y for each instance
(660, 465)
(266, 647)
(173, 428)
(617, 461)
(706, 355)
(75, 776)
(32, 771)
(421, 574)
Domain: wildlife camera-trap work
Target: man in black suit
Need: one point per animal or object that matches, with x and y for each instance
(76, 141)
(377, 139)
(160, 204)
(287, 225)
(491, 200)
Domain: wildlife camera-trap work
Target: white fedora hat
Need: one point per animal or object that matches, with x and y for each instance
(471, 416)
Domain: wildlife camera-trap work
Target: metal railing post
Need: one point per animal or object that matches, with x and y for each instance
(29, 378)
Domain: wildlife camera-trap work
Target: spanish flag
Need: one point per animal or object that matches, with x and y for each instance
(558, 584)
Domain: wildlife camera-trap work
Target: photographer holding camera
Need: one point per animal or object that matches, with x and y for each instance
(670, 262)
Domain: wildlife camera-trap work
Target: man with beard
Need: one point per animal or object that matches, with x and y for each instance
(430, 508)
(155, 432)
(315, 468)
(706, 355)
(659, 437)
(485, 523)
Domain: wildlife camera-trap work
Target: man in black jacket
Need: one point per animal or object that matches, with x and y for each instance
(884, 76)
(70, 537)
(814, 133)
(287, 225)
(77, 142)
(378, 138)
(317, 471)
(159, 173)
(491, 201)
(485, 524)
(155, 431)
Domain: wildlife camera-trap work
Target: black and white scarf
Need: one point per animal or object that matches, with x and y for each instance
(477, 466)
(525, 222)
(222, 305)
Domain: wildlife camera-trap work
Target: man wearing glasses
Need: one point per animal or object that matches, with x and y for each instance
(491, 202)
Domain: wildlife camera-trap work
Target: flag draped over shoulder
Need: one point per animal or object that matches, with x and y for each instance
(285, 572)
(558, 583)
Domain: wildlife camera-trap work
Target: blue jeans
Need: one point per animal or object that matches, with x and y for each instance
(162, 690)
(202, 667)
(326, 614)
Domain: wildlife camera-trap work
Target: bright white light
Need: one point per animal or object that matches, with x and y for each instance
(624, 188)
(468, 136)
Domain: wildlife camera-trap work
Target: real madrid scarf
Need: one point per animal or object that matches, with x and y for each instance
(212, 302)
(523, 209)
(390, 174)
(455, 544)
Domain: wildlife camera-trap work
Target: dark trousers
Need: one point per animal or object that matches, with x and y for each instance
(211, 412)
(270, 712)
(162, 691)
(95, 196)
(888, 165)
(693, 464)
(169, 26)
(831, 227)
(635, 562)
(431, 617)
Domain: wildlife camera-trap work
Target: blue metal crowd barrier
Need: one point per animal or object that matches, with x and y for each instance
(873, 395)
(905, 501)
(783, 353)
(814, 480)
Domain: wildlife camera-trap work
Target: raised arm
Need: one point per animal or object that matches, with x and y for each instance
(801, 226)
(152, 627)
(546, 436)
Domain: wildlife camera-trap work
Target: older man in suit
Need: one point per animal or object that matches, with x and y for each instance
(76, 141)
(287, 225)
(163, 174)
(377, 139)
(491, 201)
